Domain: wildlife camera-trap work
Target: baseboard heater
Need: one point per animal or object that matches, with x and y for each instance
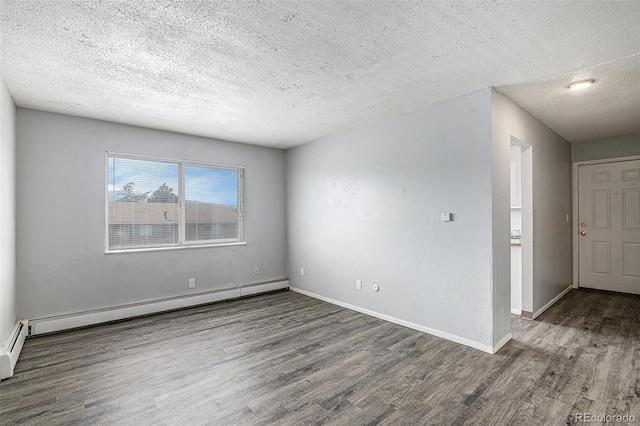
(12, 347)
(82, 319)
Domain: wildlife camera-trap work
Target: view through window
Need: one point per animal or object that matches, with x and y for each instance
(163, 203)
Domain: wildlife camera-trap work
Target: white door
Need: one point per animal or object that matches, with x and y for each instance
(609, 226)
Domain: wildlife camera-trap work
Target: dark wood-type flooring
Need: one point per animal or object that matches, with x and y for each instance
(287, 359)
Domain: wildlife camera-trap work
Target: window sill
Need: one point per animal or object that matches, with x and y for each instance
(185, 247)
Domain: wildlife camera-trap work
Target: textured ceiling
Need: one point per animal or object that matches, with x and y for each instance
(610, 107)
(281, 73)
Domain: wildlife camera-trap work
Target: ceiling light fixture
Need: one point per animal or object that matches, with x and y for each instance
(582, 84)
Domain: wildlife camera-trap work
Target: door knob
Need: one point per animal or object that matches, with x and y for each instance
(583, 233)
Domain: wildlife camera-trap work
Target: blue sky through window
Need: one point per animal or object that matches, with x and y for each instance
(202, 184)
(207, 185)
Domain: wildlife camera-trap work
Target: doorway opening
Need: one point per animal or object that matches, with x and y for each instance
(521, 228)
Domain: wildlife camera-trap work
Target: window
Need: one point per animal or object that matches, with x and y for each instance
(141, 230)
(154, 203)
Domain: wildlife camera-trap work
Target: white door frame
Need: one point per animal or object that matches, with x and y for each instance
(574, 204)
(527, 224)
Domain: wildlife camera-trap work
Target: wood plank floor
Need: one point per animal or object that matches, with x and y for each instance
(288, 359)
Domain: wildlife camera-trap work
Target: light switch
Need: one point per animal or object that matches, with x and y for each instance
(447, 217)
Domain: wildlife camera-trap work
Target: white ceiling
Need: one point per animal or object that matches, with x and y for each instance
(280, 74)
(611, 107)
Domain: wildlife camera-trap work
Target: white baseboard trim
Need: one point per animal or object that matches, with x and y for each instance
(516, 311)
(540, 311)
(457, 339)
(249, 290)
(82, 319)
(12, 347)
(502, 342)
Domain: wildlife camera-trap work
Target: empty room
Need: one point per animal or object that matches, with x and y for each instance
(319, 212)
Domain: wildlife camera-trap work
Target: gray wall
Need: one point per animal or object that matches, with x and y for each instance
(551, 200)
(7, 214)
(366, 204)
(61, 265)
(501, 231)
(621, 146)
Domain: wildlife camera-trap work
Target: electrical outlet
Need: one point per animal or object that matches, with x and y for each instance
(192, 282)
(301, 271)
(358, 284)
(256, 270)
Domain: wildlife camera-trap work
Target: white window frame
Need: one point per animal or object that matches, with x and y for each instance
(182, 242)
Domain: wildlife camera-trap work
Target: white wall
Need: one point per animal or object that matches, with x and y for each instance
(526, 221)
(621, 146)
(7, 214)
(551, 198)
(61, 265)
(366, 204)
(516, 176)
(516, 225)
(501, 231)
